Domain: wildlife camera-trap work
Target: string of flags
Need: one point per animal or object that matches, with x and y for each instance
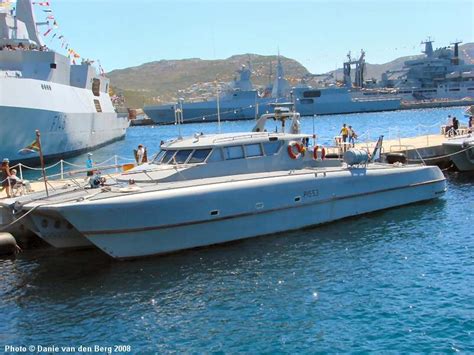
(54, 31)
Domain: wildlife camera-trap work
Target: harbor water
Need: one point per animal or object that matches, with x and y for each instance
(397, 280)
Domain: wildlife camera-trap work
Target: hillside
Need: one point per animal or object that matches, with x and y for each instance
(159, 81)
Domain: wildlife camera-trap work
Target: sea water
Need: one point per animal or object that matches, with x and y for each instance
(397, 280)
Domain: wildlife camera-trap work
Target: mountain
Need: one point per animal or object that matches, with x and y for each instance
(159, 81)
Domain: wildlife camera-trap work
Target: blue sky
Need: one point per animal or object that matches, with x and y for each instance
(123, 33)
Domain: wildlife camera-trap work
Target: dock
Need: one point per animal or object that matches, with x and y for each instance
(413, 105)
(428, 149)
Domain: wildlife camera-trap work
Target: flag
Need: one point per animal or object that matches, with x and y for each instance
(55, 24)
(43, 3)
(50, 17)
(47, 32)
(48, 10)
(33, 147)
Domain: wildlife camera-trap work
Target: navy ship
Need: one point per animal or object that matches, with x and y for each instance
(239, 102)
(350, 97)
(41, 90)
(439, 74)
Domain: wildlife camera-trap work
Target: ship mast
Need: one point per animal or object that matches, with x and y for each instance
(455, 59)
(25, 14)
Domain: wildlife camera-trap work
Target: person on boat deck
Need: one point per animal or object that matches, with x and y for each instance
(469, 124)
(16, 182)
(455, 125)
(352, 136)
(5, 177)
(140, 154)
(89, 164)
(449, 124)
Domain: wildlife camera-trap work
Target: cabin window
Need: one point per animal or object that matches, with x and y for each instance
(215, 156)
(159, 157)
(98, 108)
(306, 101)
(182, 155)
(312, 93)
(168, 156)
(199, 156)
(271, 148)
(53, 66)
(253, 150)
(234, 152)
(96, 87)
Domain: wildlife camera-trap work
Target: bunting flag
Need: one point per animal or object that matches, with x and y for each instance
(55, 24)
(5, 3)
(33, 147)
(43, 3)
(47, 32)
(50, 17)
(48, 10)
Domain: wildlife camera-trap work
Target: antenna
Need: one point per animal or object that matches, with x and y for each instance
(218, 108)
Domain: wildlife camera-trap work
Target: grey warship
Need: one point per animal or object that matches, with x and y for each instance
(439, 74)
(239, 102)
(40, 89)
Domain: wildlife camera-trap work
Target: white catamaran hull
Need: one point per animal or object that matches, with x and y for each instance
(164, 221)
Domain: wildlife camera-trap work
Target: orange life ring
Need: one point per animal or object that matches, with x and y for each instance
(315, 152)
(323, 153)
(299, 149)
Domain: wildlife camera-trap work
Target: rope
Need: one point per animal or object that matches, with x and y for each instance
(4, 228)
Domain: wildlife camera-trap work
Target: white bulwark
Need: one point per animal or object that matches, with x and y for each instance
(40, 89)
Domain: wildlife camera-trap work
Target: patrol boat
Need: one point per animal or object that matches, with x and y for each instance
(239, 102)
(40, 89)
(461, 151)
(210, 189)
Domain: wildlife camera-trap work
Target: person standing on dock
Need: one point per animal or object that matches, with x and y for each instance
(5, 177)
(352, 136)
(344, 133)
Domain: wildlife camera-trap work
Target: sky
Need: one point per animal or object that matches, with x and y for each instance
(317, 33)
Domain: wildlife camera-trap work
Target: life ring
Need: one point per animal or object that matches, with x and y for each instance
(323, 153)
(315, 152)
(299, 149)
